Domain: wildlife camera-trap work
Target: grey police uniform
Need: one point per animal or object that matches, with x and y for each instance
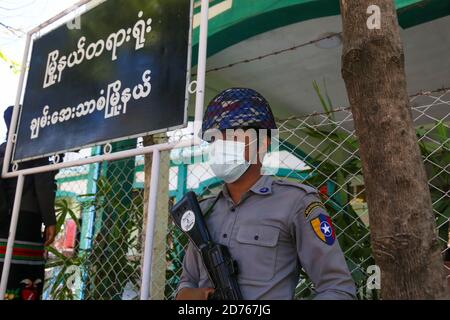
(271, 234)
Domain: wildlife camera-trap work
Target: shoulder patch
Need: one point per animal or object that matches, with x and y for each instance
(323, 228)
(313, 205)
(304, 187)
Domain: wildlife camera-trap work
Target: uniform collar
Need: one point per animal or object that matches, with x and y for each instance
(263, 186)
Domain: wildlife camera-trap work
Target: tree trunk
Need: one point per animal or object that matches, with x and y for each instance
(403, 232)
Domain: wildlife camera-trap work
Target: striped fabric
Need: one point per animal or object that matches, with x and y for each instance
(24, 252)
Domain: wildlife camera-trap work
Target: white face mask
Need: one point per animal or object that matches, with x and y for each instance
(226, 159)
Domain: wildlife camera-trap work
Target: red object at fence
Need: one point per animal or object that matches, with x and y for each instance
(70, 234)
(323, 190)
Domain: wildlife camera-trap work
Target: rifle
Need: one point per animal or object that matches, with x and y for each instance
(221, 268)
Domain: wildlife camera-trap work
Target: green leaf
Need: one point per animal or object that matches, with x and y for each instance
(57, 253)
(321, 98)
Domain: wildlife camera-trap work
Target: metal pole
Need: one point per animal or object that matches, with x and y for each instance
(199, 101)
(105, 157)
(15, 116)
(149, 229)
(201, 67)
(87, 233)
(11, 237)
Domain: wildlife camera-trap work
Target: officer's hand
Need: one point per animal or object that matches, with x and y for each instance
(50, 234)
(194, 293)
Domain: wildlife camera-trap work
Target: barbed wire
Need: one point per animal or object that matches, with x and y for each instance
(274, 53)
(12, 30)
(428, 92)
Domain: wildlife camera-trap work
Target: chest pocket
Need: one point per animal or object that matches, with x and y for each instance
(257, 250)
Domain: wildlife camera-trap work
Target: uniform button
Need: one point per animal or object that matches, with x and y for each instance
(225, 235)
(233, 209)
(256, 237)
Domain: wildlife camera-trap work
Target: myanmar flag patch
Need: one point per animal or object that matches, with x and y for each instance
(323, 228)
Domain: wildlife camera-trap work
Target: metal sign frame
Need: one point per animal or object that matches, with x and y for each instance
(35, 34)
(155, 150)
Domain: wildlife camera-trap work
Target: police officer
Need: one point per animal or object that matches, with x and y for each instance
(272, 227)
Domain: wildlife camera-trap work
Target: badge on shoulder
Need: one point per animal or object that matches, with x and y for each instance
(313, 205)
(323, 228)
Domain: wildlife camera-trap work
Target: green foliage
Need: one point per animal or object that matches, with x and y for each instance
(353, 235)
(114, 258)
(177, 242)
(434, 145)
(355, 240)
(60, 285)
(63, 209)
(15, 67)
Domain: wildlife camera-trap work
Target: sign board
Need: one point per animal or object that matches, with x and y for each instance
(121, 71)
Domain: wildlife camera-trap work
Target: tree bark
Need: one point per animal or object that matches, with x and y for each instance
(403, 232)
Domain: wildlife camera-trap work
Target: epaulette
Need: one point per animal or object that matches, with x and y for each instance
(304, 187)
(207, 198)
(211, 206)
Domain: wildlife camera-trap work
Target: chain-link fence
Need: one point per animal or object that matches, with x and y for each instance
(100, 206)
(99, 214)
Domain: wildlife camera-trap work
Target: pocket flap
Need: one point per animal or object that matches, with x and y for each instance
(266, 236)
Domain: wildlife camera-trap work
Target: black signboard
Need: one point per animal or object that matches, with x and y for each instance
(120, 71)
